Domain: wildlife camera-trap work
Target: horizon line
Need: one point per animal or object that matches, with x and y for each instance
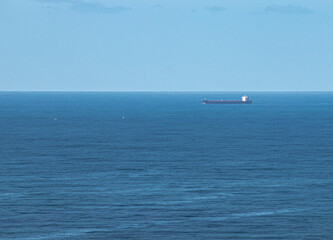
(166, 91)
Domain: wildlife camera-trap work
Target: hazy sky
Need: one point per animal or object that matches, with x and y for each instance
(173, 45)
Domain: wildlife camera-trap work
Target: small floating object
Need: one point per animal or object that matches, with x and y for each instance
(123, 117)
(55, 119)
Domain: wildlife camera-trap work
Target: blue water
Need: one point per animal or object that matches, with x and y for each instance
(164, 166)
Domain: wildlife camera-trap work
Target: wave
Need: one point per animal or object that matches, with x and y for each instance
(59, 235)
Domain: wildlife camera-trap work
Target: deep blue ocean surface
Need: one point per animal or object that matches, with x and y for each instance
(164, 166)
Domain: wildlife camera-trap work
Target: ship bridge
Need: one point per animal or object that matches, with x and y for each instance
(245, 98)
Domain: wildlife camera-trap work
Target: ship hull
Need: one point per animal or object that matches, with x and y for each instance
(225, 102)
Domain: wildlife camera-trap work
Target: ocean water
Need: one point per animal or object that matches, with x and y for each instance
(164, 166)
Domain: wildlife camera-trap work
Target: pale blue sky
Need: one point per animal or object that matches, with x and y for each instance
(174, 45)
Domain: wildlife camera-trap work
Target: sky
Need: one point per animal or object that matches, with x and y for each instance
(159, 45)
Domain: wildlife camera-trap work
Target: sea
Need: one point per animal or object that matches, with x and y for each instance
(161, 165)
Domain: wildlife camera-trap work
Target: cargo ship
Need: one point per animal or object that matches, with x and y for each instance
(244, 100)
